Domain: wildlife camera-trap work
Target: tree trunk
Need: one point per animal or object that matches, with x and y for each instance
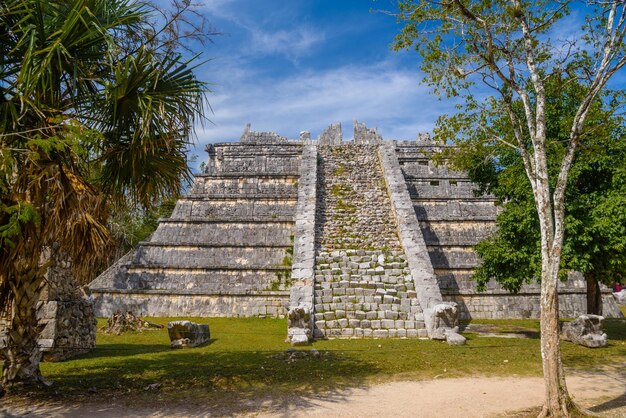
(558, 402)
(594, 296)
(556, 392)
(22, 354)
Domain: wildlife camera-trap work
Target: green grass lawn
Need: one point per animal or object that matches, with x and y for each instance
(246, 358)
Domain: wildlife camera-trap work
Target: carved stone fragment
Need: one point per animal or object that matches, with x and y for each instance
(185, 334)
(300, 329)
(586, 330)
(445, 324)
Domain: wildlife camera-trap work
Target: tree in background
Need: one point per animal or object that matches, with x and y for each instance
(512, 49)
(595, 200)
(97, 105)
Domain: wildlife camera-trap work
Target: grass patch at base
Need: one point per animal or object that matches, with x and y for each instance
(246, 358)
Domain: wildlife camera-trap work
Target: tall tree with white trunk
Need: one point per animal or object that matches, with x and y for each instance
(492, 54)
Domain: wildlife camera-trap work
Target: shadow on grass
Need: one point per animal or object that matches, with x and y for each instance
(615, 329)
(499, 331)
(619, 402)
(230, 382)
(123, 350)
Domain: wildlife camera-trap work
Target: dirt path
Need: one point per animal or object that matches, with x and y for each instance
(605, 392)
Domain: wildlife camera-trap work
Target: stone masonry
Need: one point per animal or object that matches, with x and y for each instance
(363, 286)
(227, 248)
(349, 239)
(65, 315)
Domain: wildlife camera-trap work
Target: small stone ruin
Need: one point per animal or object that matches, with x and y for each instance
(445, 324)
(586, 330)
(186, 334)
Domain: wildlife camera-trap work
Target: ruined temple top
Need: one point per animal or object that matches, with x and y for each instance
(332, 136)
(249, 136)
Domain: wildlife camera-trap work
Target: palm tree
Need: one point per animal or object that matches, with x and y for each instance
(95, 107)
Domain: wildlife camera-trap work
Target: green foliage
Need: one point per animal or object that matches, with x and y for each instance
(532, 87)
(338, 190)
(16, 215)
(346, 207)
(97, 107)
(130, 226)
(595, 239)
(283, 280)
(339, 170)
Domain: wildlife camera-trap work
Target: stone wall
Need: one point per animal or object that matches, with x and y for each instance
(273, 304)
(524, 305)
(66, 317)
(66, 314)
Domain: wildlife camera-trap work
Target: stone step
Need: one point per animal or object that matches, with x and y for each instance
(247, 186)
(364, 286)
(371, 333)
(219, 279)
(453, 257)
(286, 194)
(235, 207)
(252, 221)
(456, 232)
(213, 233)
(350, 252)
(244, 175)
(360, 320)
(354, 210)
(226, 247)
(384, 279)
(455, 210)
(208, 257)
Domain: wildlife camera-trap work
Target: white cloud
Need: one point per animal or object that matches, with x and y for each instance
(291, 43)
(287, 40)
(379, 95)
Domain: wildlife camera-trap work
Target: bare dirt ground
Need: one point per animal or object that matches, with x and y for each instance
(603, 392)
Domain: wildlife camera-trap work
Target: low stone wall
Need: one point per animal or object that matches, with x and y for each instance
(69, 328)
(302, 273)
(65, 316)
(419, 262)
(524, 305)
(146, 303)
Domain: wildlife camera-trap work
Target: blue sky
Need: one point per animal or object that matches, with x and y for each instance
(289, 66)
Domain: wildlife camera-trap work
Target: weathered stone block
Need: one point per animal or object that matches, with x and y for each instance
(388, 323)
(380, 333)
(586, 330)
(185, 334)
